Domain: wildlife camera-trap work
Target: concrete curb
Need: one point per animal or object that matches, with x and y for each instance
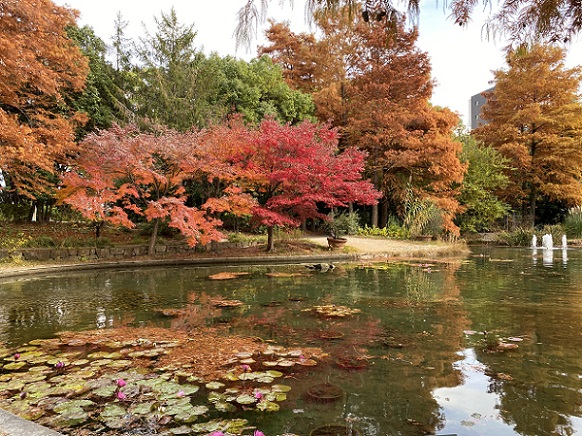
(149, 263)
(12, 425)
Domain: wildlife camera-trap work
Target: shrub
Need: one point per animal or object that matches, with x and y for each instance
(342, 224)
(573, 225)
(393, 229)
(42, 241)
(519, 237)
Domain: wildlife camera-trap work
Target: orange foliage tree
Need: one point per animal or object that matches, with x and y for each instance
(293, 171)
(377, 93)
(122, 173)
(39, 65)
(534, 119)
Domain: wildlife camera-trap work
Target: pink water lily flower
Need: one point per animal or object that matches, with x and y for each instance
(217, 433)
(59, 365)
(121, 383)
(121, 396)
(245, 367)
(16, 356)
(258, 396)
(258, 433)
(181, 393)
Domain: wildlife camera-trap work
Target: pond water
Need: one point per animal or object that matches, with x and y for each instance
(487, 345)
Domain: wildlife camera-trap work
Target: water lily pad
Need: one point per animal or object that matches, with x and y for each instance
(14, 366)
(280, 388)
(74, 404)
(13, 385)
(265, 379)
(40, 368)
(223, 406)
(270, 363)
(143, 408)
(112, 411)
(268, 406)
(273, 373)
(214, 386)
(285, 363)
(306, 362)
(294, 353)
(184, 429)
(101, 362)
(246, 399)
(105, 391)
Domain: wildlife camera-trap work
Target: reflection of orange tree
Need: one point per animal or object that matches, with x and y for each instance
(201, 309)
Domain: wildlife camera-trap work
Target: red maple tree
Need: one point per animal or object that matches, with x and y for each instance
(294, 171)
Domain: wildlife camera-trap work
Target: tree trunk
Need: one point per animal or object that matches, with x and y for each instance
(153, 237)
(270, 239)
(532, 206)
(383, 213)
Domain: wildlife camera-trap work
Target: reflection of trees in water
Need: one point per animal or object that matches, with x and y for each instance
(539, 383)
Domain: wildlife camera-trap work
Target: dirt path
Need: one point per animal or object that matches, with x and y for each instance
(396, 248)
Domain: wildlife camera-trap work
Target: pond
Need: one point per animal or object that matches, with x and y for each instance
(487, 345)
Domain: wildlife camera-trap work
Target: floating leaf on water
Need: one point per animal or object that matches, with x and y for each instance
(14, 366)
(184, 429)
(285, 363)
(214, 386)
(105, 391)
(246, 399)
(189, 389)
(270, 363)
(243, 355)
(227, 275)
(306, 362)
(40, 368)
(13, 385)
(469, 332)
(515, 339)
(112, 411)
(268, 406)
(101, 362)
(295, 353)
(223, 406)
(505, 346)
(273, 373)
(280, 388)
(226, 303)
(24, 409)
(118, 364)
(265, 379)
(73, 404)
(248, 361)
(142, 408)
(333, 311)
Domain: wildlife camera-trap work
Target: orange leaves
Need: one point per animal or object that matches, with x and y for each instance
(39, 63)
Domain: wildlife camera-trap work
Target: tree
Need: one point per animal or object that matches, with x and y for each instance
(481, 206)
(171, 92)
(40, 63)
(294, 171)
(519, 20)
(101, 100)
(535, 120)
(122, 173)
(256, 89)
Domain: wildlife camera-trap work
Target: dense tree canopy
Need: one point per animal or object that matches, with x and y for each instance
(535, 120)
(293, 171)
(40, 64)
(375, 87)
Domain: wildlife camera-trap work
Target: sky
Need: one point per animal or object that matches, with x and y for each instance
(462, 58)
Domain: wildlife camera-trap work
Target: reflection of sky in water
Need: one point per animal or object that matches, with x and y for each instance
(468, 408)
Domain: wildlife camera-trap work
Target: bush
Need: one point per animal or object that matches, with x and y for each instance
(573, 225)
(339, 225)
(42, 241)
(393, 229)
(519, 237)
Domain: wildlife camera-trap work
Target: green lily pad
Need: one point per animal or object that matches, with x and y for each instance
(14, 366)
(112, 411)
(280, 388)
(268, 406)
(214, 386)
(74, 404)
(265, 379)
(143, 408)
(246, 399)
(40, 368)
(184, 429)
(13, 385)
(105, 391)
(80, 362)
(273, 373)
(24, 409)
(223, 406)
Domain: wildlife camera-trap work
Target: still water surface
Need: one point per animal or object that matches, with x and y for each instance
(426, 335)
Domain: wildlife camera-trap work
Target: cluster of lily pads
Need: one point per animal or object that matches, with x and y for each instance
(118, 385)
(333, 311)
